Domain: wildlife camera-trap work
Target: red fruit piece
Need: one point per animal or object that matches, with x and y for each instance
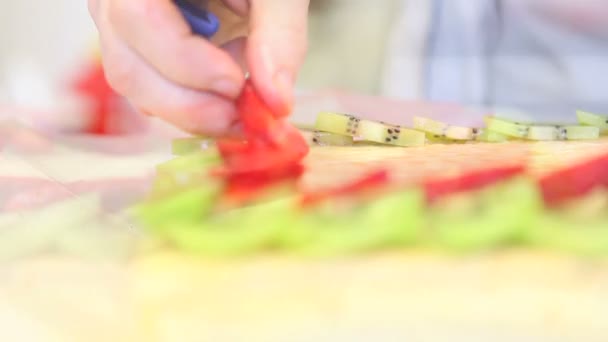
(270, 155)
(369, 182)
(257, 119)
(229, 147)
(244, 188)
(475, 180)
(574, 181)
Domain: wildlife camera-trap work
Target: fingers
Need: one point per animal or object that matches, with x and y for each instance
(157, 32)
(276, 48)
(191, 110)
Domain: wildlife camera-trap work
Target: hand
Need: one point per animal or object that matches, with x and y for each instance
(152, 58)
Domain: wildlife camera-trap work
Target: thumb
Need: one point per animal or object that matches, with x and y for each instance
(276, 48)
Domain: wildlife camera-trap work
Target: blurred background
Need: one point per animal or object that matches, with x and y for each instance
(542, 56)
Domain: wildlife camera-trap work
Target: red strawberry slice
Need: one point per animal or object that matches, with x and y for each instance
(229, 147)
(575, 181)
(244, 188)
(257, 119)
(256, 161)
(369, 182)
(271, 154)
(438, 188)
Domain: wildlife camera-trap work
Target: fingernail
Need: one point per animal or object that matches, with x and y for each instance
(226, 87)
(284, 82)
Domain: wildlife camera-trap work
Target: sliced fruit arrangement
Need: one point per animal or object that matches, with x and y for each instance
(242, 196)
(470, 211)
(496, 130)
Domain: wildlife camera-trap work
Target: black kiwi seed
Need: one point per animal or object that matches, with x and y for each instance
(315, 140)
(475, 131)
(395, 137)
(388, 140)
(607, 122)
(397, 130)
(390, 131)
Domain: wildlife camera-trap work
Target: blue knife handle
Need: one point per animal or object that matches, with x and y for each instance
(201, 21)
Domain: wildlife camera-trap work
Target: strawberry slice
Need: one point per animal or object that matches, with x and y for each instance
(367, 183)
(575, 181)
(475, 180)
(258, 121)
(244, 188)
(271, 153)
(229, 147)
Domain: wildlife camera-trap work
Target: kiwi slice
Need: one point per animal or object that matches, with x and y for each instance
(330, 139)
(379, 132)
(549, 133)
(486, 219)
(185, 146)
(235, 232)
(190, 205)
(438, 139)
(579, 227)
(590, 119)
(485, 135)
(511, 129)
(443, 129)
(542, 132)
(391, 221)
(336, 123)
(558, 232)
(183, 171)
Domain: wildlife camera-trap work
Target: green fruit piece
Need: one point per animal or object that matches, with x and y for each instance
(236, 232)
(443, 129)
(580, 227)
(578, 133)
(183, 172)
(487, 219)
(391, 221)
(542, 133)
(341, 124)
(548, 133)
(389, 134)
(590, 119)
(560, 233)
(489, 136)
(190, 162)
(190, 205)
(185, 146)
(330, 139)
(511, 129)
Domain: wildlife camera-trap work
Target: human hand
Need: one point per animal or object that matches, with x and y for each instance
(152, 58)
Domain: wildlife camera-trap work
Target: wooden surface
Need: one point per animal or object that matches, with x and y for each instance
(409, 295)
